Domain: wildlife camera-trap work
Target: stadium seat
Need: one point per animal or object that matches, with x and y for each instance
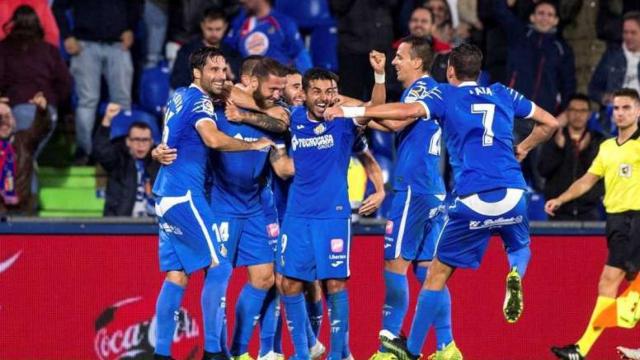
(122, 122)
(154, 88)
(69, 192)
(307, 14)
(323, 46)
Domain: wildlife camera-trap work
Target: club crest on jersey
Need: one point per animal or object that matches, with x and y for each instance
(389, 228)
(319, 129)
(337, 245)
(257, 43)
(273, 230)
(624, 170)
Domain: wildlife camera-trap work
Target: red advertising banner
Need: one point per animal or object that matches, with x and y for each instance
(93, 297)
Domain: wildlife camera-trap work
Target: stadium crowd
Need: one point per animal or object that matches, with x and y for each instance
(567, 56)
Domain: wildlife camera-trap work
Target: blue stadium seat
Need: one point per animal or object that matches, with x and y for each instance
(122, 122)
(154, 88)
(307, 13)
(324, 46)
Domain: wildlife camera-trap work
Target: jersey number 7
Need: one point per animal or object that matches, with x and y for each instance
(488, 111)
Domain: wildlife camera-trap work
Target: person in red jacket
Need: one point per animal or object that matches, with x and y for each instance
(42, 9)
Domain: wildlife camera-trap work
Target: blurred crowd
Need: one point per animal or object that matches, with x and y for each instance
(67, 59)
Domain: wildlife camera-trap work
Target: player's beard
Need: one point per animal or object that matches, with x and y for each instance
(262, 101)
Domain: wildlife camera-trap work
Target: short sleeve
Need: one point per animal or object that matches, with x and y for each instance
(432, 101)
(522, 107)
(597, 166)
(202, 111)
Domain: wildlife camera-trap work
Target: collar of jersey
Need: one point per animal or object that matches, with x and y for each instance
(198, 87)
(468, 83)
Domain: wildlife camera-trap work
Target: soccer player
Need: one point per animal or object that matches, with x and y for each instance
(618, 161)
(418, 192)
(490, 190)
(315, 237)
(186, 239)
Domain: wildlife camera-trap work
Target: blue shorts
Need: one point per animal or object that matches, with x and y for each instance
(243, 241)
(411, 221)
(314, 249)
(186, 240)
(473, 219)
(432, 232)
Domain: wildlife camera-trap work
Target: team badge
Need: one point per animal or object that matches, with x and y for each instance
(337, 245)
(389, 228)
(223, 250)
(319, 129)
(273, 230)
(625, 170)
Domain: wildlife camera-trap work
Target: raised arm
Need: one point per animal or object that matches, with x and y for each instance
(396, 111)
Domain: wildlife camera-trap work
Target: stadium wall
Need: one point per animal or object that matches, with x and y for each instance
(88, 296)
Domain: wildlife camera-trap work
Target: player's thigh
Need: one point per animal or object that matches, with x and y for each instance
(186, 240)
(404, 232)
(515, 229)
(332, 247)
(253, 245)
(433, 228)
(295, 257)
(227, 230)
(623, 241)
(458, 245)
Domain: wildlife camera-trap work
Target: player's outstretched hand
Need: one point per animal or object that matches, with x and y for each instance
(371, 203)
(263, 143)
(333, 112)
(551, 206)
(164, 154)
(377, 60)
(232, 112)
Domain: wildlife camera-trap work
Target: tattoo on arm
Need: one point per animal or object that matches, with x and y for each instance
(265, 122)
(276, 154)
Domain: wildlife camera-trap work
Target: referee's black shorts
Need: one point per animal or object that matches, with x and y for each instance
(623, 240)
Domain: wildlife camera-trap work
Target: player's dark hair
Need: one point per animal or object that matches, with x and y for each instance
(466, 60)
(632, 15)
(138, 125)
(580, 97)
(627, 92)
(268, 66)
(421, 49)
(199, 57)
(213, 13)
(553, 4)
(292, 70)
(317, 73)
(248, 63)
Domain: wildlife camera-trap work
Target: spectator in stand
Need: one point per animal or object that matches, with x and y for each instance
(16, 157)
(99, 45)
(129, 166)
(213, 26)
(28, 65)
(156, 20)
(443, 29)
(261, 30)
(42, 9)
(620, 65)
(540, 65)
(567, 156)
(184, 18)
(470, 23)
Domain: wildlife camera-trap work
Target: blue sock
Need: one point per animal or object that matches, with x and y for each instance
(346, 351)
(315, 310)
(429, 305)
(311, 336)
(339, 319)
(520, 259)
(167, 305)
(277, 339)
(421, 273)
(224, 348)
(268, 318)
(442, 322)
(296, 321)
(213, 301)
(248, 307)
(396, 301)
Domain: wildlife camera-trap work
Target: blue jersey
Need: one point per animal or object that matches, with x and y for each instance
(480, 119)
(275, 35)
(238, 176)
(418, 148)
(185, 110)
(321, 152)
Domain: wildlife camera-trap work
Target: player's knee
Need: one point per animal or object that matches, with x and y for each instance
(610, 280)
(177, 277)
(398, 266)
(335, 285)
(263, 281)
(290, 286)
